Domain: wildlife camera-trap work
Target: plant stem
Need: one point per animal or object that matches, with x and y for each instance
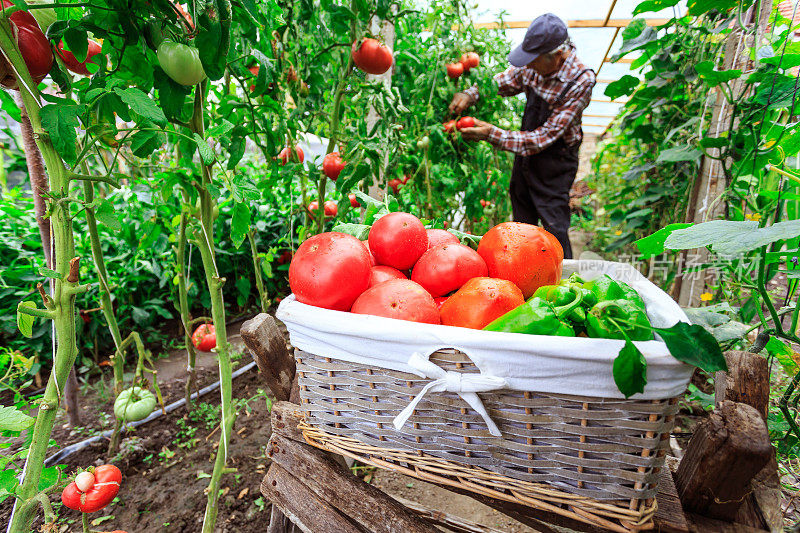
(204, 238)
(183, 303)
(262, 294)
(66, 289)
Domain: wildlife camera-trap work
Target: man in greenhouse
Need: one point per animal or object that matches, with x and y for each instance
(558, 87)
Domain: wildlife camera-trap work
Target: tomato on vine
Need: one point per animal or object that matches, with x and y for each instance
(371, 56)
(181, 62)
(100, 486)
(204, 337)
(469, 61)
(332, 165)
(72, 63)
(134, 404)
(285, 154)
(353, 200)
(33, 45)
(455, 70)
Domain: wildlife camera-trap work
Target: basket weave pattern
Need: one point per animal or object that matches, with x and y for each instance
(591, 455)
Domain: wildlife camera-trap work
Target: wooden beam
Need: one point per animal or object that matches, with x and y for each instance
(599, 116)
(746, 381)
(610, 101)
(266, 343)
(726, 451)
(610, 11)
(579, 23)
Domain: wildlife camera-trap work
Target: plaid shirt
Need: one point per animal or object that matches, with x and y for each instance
(565, 120)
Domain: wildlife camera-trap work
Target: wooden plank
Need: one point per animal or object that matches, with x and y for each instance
(578, 23)
(669, 517)
(285, 417)
(445, 520)
(300, 505)
(338, 487)
(704, 524)
(267, 345)
(726, 451)
(746, 381)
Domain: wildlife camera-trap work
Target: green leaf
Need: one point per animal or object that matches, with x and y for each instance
(106, 215)
(731, 237)
(359, 231)
(679, 153)
(240, 223)
(634, 29)
(700, 7)
(206, 153)
(693, 345)
(622, 87)
(783, 353)
(785, 61)
(145, 143)
(714, 77)
(654, 244)
(630, 370)
(654, 5)
(141, 104)
(49, 273)
(76, 42)
(636, 171)
(8, 483)
(12, 419)
(220, 129)
(25, 321)
(60, 121)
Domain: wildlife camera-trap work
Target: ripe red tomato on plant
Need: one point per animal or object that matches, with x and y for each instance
(465, 122)
(381, 273)
(330, 208)
(437, 237)
(406, 178)
(33, 45)
(480, 301)
(398, 240)
(455, 70)
(353, 200)
(395, 184)
(470, 60)
(401, 299)
(332, 165)
(104, 488)
(524, 254)
(330, 270)
(285, 154)
(285, 257)
(445, 268)
(72, 63)
(371, 56)
(254, 71)
(449, 126)
(204, 337)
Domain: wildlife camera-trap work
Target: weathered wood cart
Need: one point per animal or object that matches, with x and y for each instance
(726, 481)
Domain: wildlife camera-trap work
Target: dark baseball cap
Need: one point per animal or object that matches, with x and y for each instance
(545, 34)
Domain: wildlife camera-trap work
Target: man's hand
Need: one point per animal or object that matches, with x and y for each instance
(460, 103)
(479, 133)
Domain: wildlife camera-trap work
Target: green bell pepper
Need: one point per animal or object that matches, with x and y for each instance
(605, 288)
(609, 318)
(566, 294)
(535, 317)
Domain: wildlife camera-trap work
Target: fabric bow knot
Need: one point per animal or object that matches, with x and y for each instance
(465, 385)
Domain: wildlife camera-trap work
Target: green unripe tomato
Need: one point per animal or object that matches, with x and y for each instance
(134, 404)
(424, 143)
(181, 62)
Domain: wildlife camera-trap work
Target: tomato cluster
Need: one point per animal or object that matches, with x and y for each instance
(468, 61)
(33, 45)
(407, 272)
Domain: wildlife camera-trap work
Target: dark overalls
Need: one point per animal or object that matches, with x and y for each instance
(540, 183)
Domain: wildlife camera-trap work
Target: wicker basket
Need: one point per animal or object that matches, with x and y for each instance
(591, 459)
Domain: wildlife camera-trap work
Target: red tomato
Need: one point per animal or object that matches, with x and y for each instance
(440, 300)
(284, 155)
(406, 178)
(353, 200)
(254, 71)
(395, 184)
(440, 236)
(449, 126)
(371, 56)
(371, 257)
(33, 45)
(381, 273)
(398, 298)
(332, 165)
(398, 240)
(331, 209)
(524, 254)
(480, 301)
(445, 268)
(330, 270)
(285, 257)
(106, 486)
(470, 60)
(204, 337)
(454, 70)
(465, 122)
(72, 62)
(445, 224)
